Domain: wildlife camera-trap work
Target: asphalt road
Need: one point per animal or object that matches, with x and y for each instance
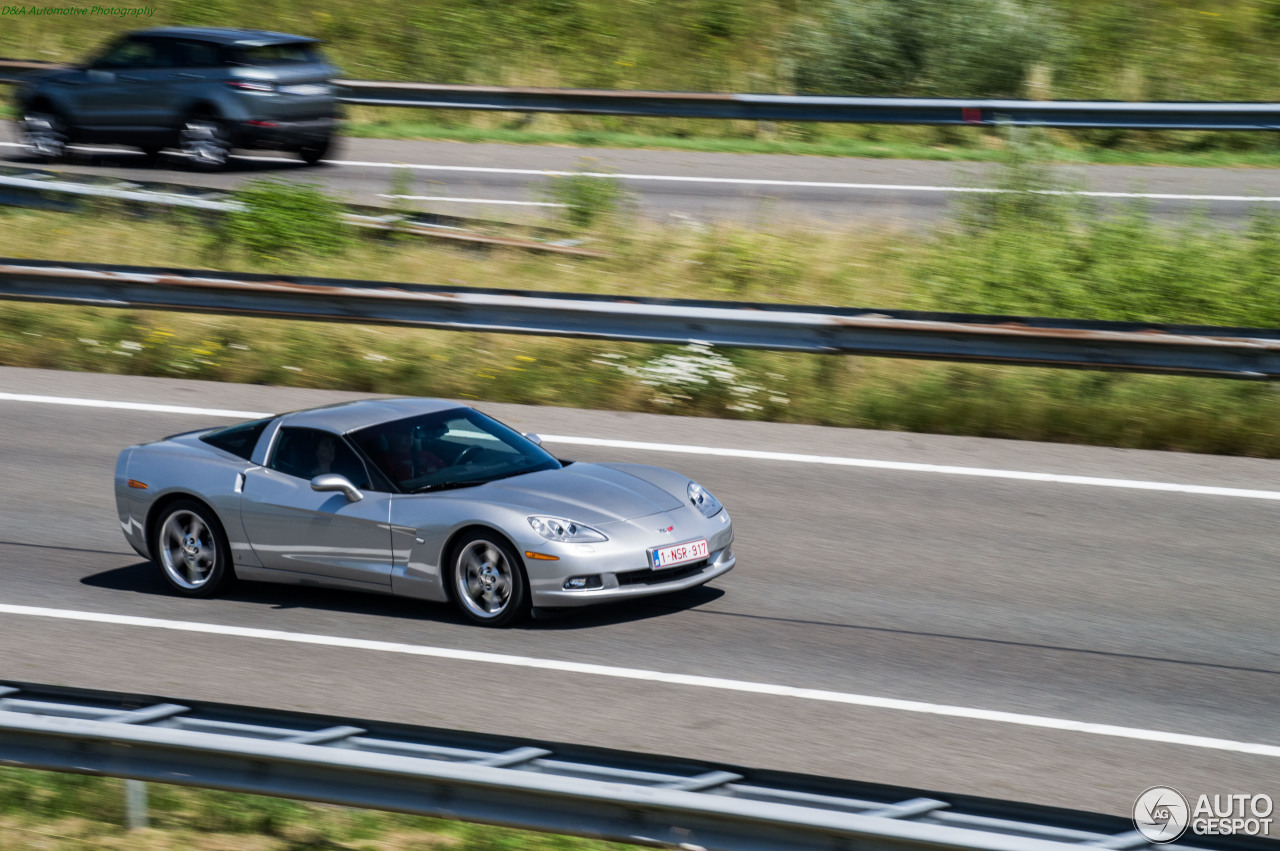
(1106, 604)
(504, 182)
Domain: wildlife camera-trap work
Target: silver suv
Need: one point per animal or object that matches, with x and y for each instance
(201, 90)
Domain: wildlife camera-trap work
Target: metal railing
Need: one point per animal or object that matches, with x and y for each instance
(860, 110)
(536, 785)
(773, 107)
(1128, 346)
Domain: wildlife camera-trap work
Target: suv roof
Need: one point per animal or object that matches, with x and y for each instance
(222, 35)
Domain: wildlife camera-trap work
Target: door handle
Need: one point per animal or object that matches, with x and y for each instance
(131, 78)
(182, 75)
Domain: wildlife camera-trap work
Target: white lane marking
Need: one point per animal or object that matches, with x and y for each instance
(131, 406)
(691, 680)
(471, 200)
(753, 454)
(742, 181)
(808, 184)
(907, 466)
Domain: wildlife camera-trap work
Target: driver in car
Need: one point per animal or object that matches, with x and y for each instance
(403, 461)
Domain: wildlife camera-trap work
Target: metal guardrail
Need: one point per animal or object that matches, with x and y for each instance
(519, 783)
(772, 107)
(861, 110)
(1252, 353)
(60, 191)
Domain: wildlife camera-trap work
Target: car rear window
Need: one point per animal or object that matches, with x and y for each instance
(284, 53)
(238, 439)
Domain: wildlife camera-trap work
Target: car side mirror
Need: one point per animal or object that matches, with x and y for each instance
(535, 438)
(334, 482)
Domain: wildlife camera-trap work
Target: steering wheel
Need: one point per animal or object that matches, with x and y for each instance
(468, 455)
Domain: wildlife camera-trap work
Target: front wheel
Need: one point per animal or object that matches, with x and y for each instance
(192, 549)
(489, 585)
(205, 142)
(44, 135)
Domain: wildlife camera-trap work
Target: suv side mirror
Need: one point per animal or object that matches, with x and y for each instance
(334, 482)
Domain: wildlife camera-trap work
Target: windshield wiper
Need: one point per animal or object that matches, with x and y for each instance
(448, 486)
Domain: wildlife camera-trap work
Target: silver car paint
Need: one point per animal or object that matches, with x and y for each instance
(637, 507)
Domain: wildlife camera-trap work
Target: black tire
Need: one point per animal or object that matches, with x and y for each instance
(44, 134)
(206, 142)
(487, 580)
(151, 152)
(190, 547)
(314, 152)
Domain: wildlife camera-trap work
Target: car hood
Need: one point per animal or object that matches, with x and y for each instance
(588, 493)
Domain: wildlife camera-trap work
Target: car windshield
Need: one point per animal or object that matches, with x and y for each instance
(460, 447)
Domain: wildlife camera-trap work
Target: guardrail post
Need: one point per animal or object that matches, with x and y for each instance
(135, 804)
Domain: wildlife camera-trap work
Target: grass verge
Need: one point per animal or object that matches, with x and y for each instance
(71, 812)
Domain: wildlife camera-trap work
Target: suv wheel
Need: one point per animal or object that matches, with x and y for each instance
(205, 143)
(314, 152)
(45, 135)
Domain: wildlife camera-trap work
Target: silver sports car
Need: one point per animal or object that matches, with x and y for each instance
(415, 497)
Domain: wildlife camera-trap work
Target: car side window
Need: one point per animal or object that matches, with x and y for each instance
(309, 452)
(197, 54)
(135, 53)
(239, 439)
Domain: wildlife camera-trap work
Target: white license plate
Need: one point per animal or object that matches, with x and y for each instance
(304, 89)
(665, 557)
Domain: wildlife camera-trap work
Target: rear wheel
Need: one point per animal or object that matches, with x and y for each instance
(191, 549)
(313, 152)
(488, 581)
(205, 142)
(44, 134)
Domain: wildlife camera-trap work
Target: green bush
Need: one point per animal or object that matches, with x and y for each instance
(586, 196)
(1031, 248)
(940, 48)
(278, 219)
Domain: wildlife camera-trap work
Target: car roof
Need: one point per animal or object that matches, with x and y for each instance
(350, 416)
(225, 35)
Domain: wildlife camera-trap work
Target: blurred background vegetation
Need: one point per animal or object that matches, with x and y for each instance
(1066, 49)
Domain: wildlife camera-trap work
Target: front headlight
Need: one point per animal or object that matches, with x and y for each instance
(565, 531)
(703, 500)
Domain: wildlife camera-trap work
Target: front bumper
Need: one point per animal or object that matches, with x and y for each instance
(278, 135)
(622, 563)
(681, 579)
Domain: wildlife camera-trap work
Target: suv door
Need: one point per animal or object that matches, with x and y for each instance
(293, 528)
(197, 66)
(127, 88)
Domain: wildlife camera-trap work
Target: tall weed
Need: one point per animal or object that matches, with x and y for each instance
(278, 219)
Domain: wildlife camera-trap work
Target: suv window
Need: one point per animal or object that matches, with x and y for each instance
(196, 54)
(286, 53)
(136, 52)
(309, 452)
(237, 439)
